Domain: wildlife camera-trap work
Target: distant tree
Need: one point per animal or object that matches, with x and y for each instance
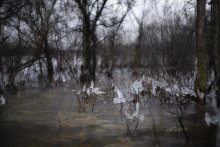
(140, 37)
(42, 18)
(11, 62)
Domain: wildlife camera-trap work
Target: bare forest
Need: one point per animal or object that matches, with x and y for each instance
(109, 73)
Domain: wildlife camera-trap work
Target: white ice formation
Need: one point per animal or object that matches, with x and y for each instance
(2, 100)
(118, 97)
(136, 87)
(90, 90)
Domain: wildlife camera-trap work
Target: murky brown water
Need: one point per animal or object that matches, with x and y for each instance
(50, 117)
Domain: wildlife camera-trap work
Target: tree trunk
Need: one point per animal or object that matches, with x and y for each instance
(50, 70)
(94, 47)
(216, 9)
(201, 78)
(89, 36)
(11, 79)
(86, 68)
(89, 56)
(89, 50)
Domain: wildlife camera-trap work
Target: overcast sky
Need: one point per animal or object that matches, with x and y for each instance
(153, 10)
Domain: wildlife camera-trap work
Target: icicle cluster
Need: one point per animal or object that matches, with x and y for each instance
(91, 89)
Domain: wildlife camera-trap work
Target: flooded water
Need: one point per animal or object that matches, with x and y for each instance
(52, 117)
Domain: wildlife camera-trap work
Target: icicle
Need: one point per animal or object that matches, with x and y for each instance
(97, 91)
(88, 91)
(136, 87)
(91, 89)
(135, 114)
(119, 96)
(2, 100)
(92, 85)
(84, 87)
(210, 119)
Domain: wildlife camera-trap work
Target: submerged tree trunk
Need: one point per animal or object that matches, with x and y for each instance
(86, 68)
(50, 70)
(89, 56)
(201, 78)
(94, 47)
(11, 80)
(216, 10)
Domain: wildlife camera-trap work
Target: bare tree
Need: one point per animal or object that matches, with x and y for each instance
(11, 50)
(91, 13)
(89, 34)
(9, 8)
(42, 19)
